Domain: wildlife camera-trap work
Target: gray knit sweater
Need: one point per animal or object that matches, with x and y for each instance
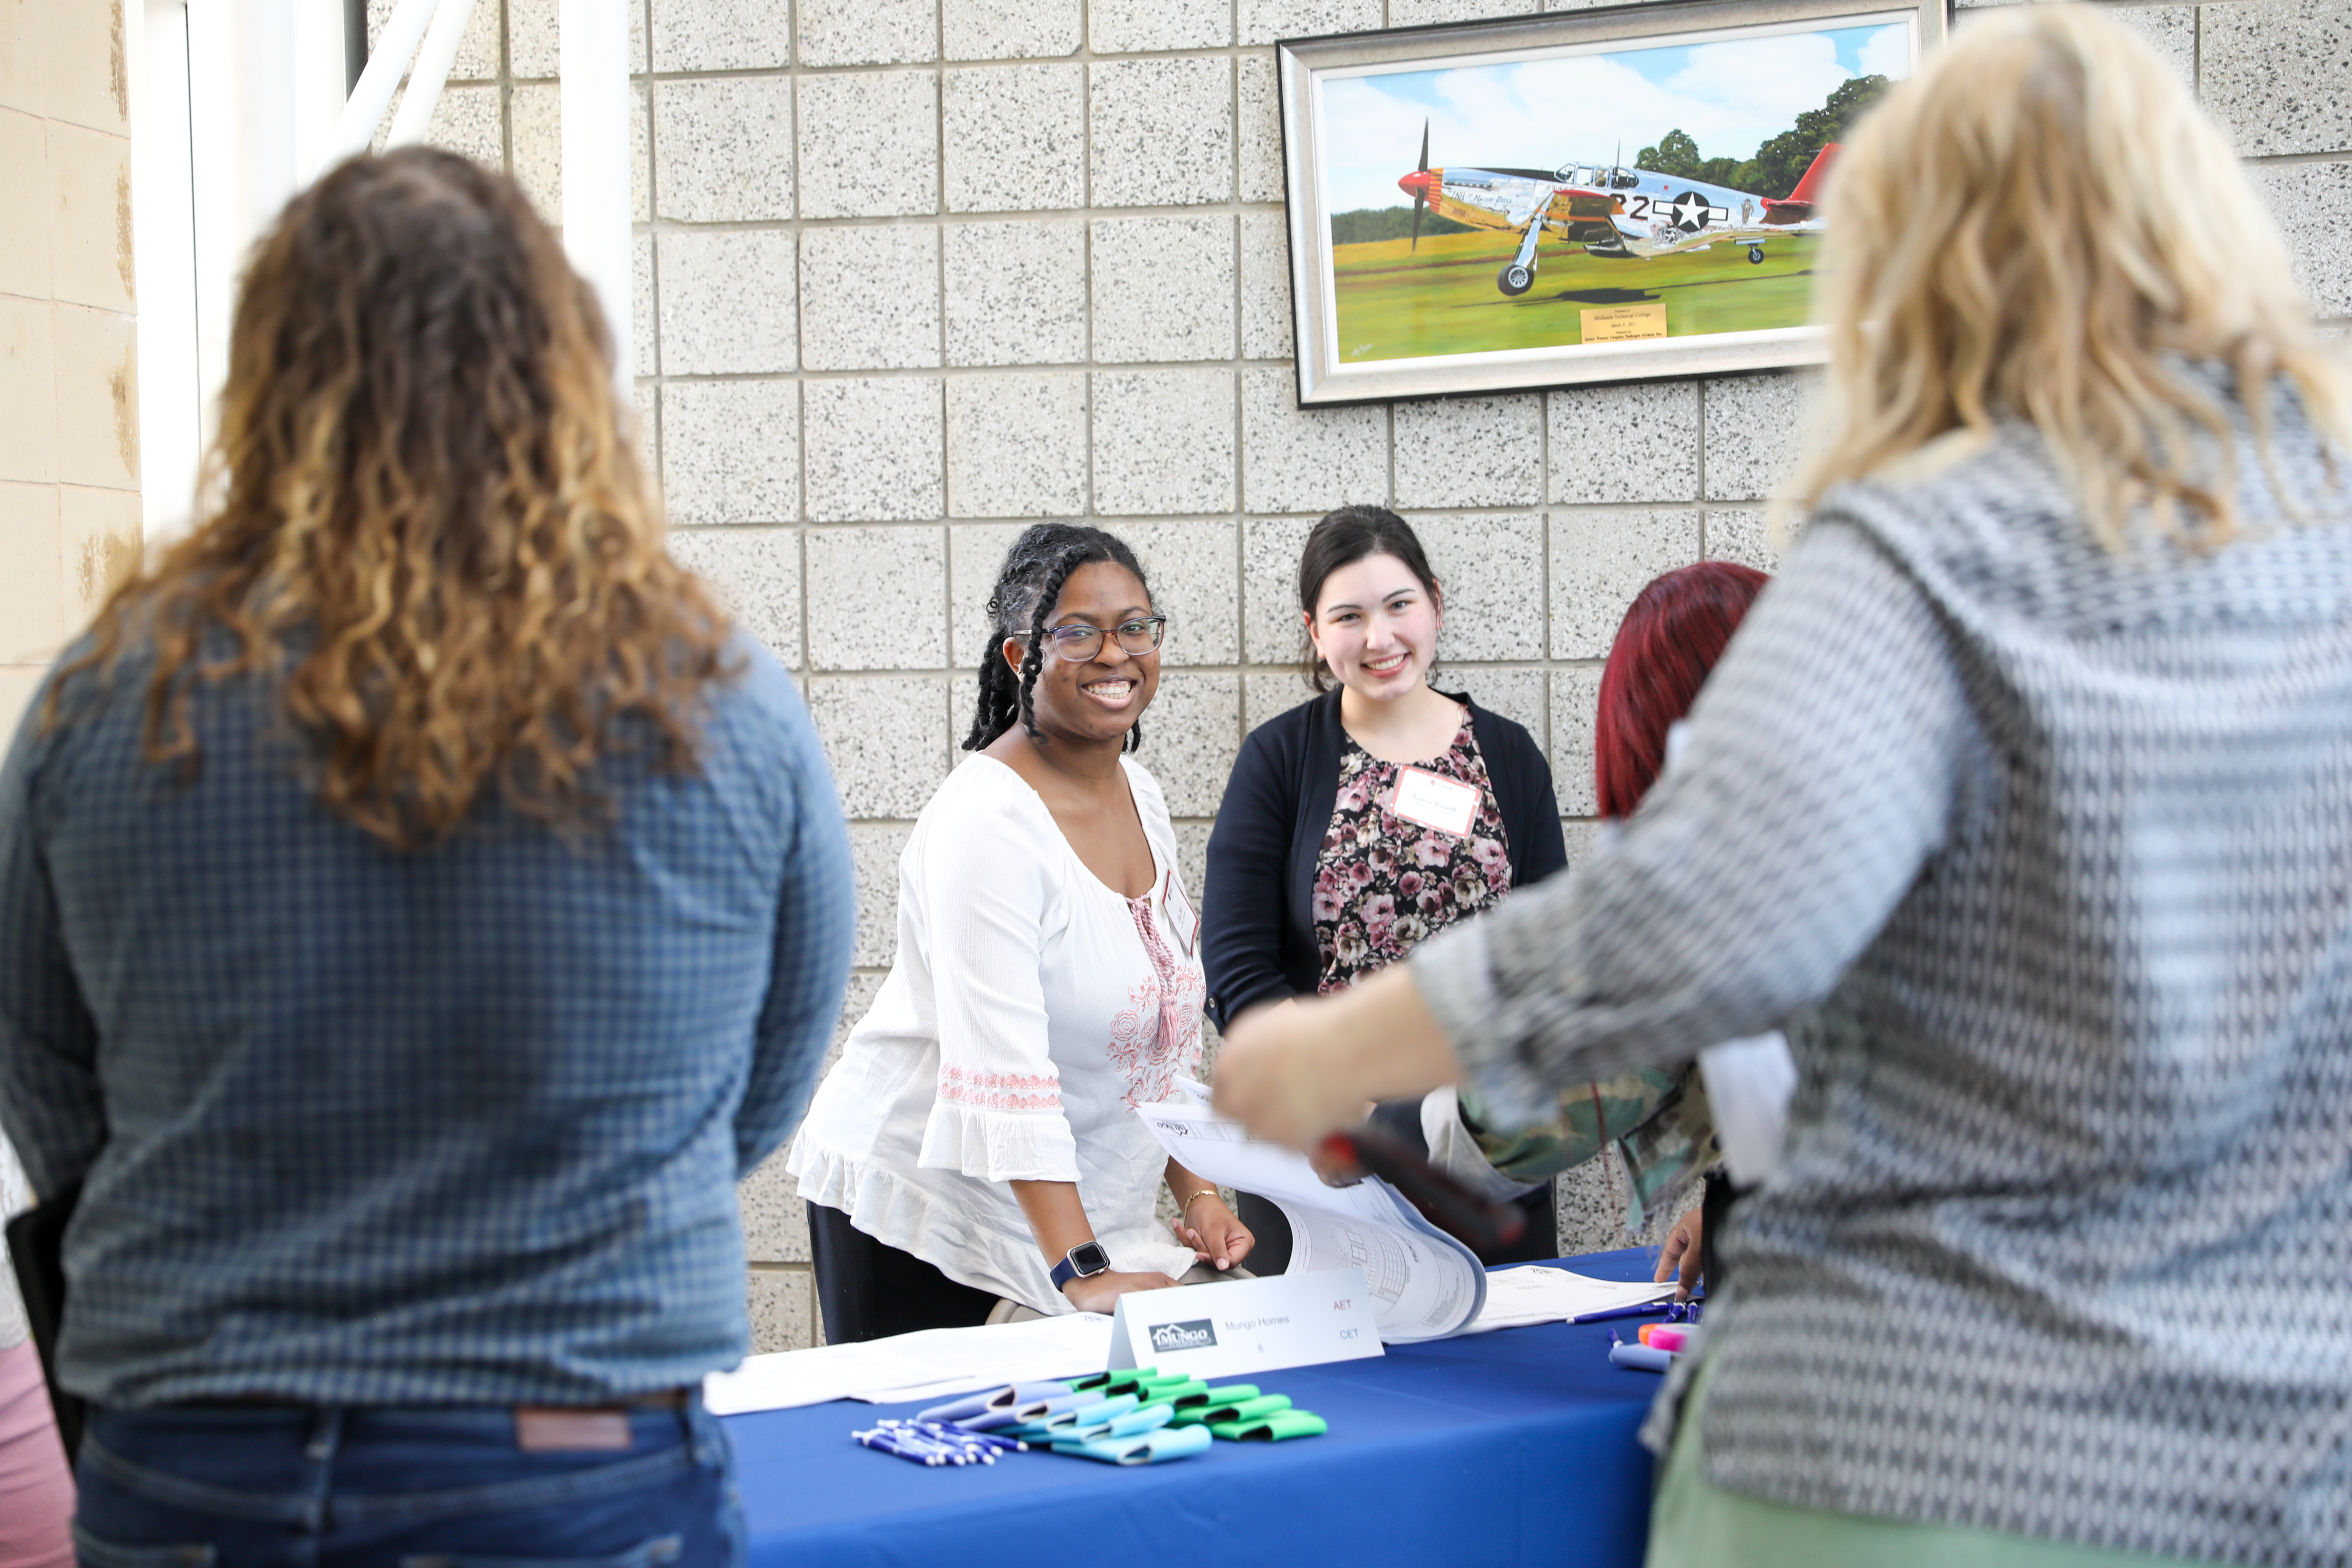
(2044, 857)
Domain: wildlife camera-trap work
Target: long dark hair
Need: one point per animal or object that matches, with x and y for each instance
(1027, 588)
(1342, 539)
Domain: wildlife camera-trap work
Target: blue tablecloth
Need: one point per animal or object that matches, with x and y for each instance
(1509, 1447)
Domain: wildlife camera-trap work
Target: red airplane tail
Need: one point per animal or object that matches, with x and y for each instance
(1800, 203)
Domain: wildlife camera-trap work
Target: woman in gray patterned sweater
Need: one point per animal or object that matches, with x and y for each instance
(2023, 800)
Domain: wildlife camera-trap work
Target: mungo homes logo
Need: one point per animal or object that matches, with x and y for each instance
(1198, 1335)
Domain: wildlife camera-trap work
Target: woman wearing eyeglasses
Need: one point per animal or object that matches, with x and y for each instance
(974, 1153)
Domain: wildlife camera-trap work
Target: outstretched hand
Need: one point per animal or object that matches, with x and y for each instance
(1678, 1258)
(1291, 1073)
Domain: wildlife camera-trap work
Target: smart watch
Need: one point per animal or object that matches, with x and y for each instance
(1083, 1261)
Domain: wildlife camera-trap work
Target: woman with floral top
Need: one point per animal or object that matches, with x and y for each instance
(1355, 826)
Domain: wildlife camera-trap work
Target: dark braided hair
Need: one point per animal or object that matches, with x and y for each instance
(1027, 589)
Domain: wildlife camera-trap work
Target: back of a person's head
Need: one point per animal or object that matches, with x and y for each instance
(1671, 636)
(2043, 226)
(427, 533)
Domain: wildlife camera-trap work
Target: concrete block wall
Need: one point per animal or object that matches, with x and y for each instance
(913, 272)
(68, 331)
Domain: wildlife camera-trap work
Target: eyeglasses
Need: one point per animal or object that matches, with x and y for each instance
(1080, 643)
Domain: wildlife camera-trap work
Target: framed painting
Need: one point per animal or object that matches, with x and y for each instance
(1583, 196)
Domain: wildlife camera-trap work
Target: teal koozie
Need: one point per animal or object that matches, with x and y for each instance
(1275, 1428)
(1149, 1448)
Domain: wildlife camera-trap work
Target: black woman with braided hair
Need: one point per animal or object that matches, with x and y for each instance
(974, 1156)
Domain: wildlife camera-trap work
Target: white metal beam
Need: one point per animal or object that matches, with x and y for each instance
(594, 65)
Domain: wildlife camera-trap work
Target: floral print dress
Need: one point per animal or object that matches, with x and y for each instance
(1383, 884)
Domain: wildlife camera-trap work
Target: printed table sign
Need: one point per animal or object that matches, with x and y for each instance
(1239, 1326)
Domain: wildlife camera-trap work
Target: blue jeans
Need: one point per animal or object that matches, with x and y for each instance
(267, 1487)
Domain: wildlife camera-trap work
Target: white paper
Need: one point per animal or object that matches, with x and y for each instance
(934, 1364)
(1424, 1283)
(1229, 1328)
(1749, 1085)
(1537, 1294)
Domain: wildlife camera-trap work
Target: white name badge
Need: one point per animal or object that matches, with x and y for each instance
(1182, 923)
(1247, 1325)
(1447, 804)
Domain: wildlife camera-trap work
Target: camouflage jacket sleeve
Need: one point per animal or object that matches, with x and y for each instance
(1659, 1120)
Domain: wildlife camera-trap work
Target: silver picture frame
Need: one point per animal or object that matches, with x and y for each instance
(1307, 68)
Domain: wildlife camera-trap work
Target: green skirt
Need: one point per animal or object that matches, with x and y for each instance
(1697, 1524)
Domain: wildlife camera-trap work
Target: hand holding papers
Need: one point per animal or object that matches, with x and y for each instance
(1423, 1283)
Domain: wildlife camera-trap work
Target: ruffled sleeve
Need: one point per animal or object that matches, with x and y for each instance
(987, 892)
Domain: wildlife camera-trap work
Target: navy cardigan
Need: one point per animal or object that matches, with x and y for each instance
(1257, 918)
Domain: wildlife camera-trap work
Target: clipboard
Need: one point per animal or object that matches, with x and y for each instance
(37, 1240)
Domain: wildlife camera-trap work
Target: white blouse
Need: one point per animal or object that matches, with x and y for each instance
(1031, 1008)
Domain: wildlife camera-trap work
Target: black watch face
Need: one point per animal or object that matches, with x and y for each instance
(1089, 1259)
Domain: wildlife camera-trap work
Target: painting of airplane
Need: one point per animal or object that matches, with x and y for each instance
(1609, 210)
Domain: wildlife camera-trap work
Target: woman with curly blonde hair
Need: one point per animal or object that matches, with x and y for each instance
(2022, 801)
(417, 908)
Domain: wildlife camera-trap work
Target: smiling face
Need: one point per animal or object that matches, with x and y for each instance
(1101, 698)
(1376, 626)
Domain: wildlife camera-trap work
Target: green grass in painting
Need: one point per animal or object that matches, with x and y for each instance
(1397, 303)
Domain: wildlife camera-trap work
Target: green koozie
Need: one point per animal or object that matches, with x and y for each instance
(1223, 1422)
(1219, 1400)
(1275, 1428)
(1183, 1395)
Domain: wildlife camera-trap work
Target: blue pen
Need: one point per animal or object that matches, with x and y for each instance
(1646, 1310)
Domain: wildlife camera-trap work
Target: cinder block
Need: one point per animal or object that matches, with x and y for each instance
(727, 302)
(1191, 566)
(1618, 444)
(887, 738)
(99, 546)
(2312, 204)
(1267, 694)
(1131, 26)
(874, 851)
(1313, 459)
(1491, 570)
(1264, 21)
(28, 391)
(1743, 534)
(465, 122)
(2169, 30)
(1163, 441)
(645, 340)
(721, 35)
(1470, 451)
(1009, 29)
(775, 1219)
(757, 571)
(1016, 293)
(724, 149)
(783, 1309)
(869, 297)
(1425, 13)
(1575, 703)
(868, 32)
(1522, 696)
(89, 214)
(96, 398)
(25, 198)
(869, 144)
(1267, 328)
(1163, 288)
(535, 122)
(1192, 732)
(878, 598)
(1164, 132)
(1272, 632)
(1757, 426)
(1599, 560)
(1016, 138)
(32, 575)
(1260, 95)
(1017, 445)
(2274, 74)
(477, 47)
(730, 451)
(84, 55)
(876, 449)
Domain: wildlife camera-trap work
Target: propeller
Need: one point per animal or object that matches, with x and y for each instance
(1421, 189)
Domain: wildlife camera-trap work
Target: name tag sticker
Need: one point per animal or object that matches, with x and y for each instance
(1182, 923)
(1446, 804)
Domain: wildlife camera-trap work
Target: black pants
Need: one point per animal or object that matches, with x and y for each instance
(1401, 1119)
(868, 1291)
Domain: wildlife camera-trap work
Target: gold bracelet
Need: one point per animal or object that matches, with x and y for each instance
(1186, 1206)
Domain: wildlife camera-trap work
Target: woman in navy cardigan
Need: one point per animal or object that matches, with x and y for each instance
(1355, 826)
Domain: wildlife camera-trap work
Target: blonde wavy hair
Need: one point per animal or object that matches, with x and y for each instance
(433, 544)
(2043, 226)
